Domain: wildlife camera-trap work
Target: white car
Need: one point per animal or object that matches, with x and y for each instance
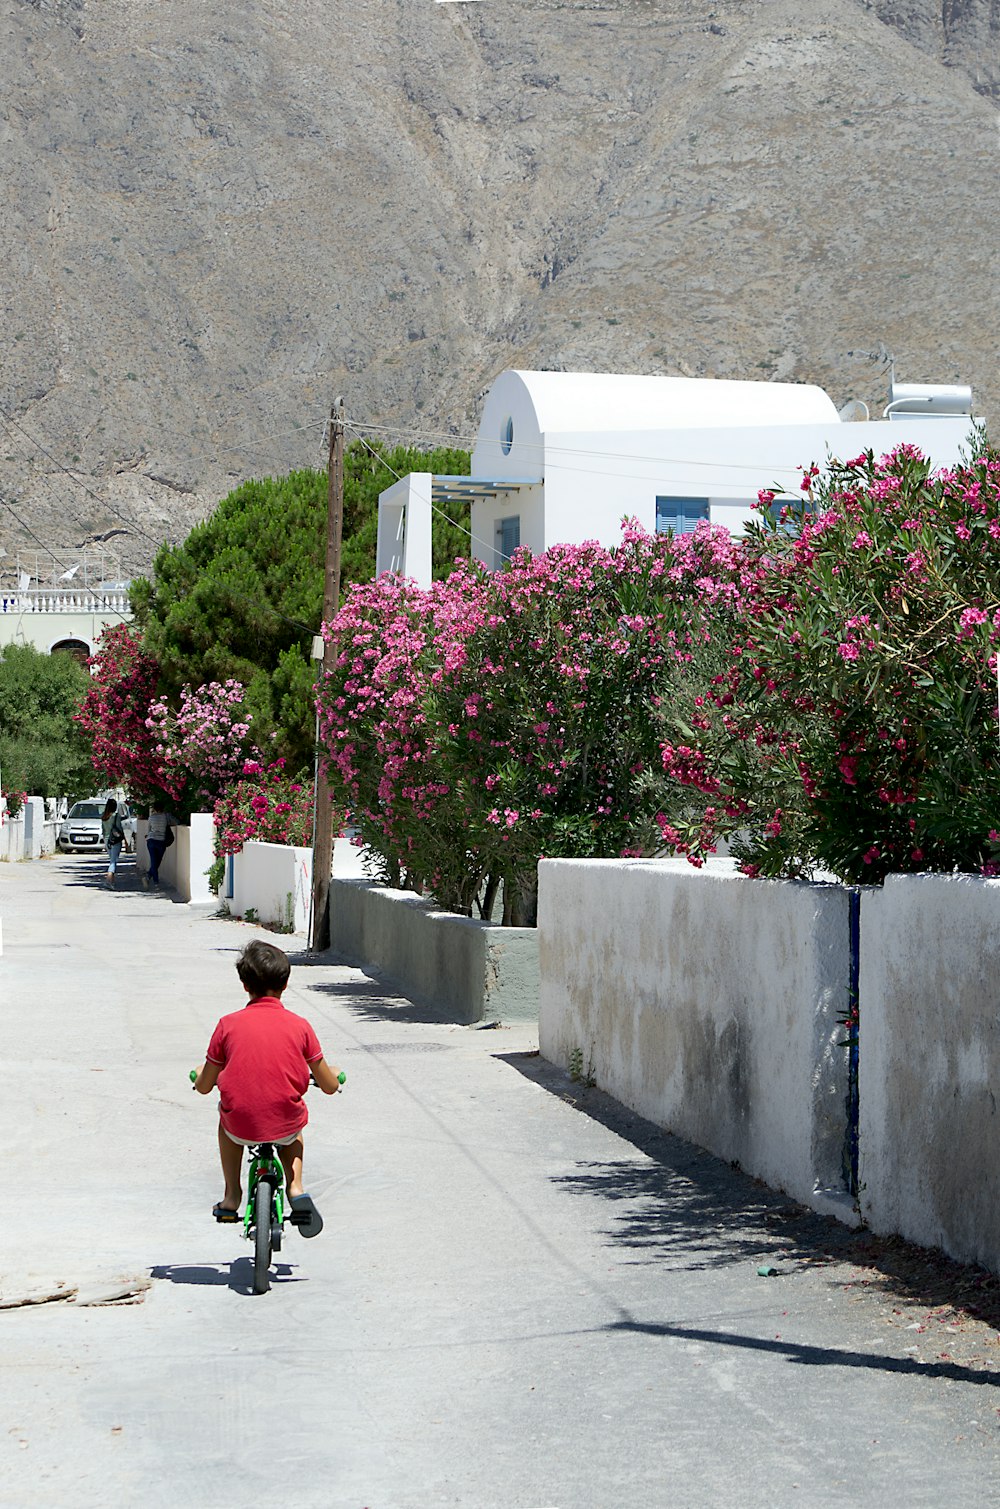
(81, 828)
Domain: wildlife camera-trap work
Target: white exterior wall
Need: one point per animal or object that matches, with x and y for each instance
(275, 881)
(708, 1003)
(595, 479)
(930, 1063)
(527, 503)
(185, 864)
(12, 837)
(463, 968)
(34, 826)
(404, 529)
(13, 844)
(265, 876)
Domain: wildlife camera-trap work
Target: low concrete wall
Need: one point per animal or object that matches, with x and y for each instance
(930, 1063)
(471, 970)
(709, 1003)
(34, 825)
(12, 838)
(185, 864)
(16, 845)
(274, 881)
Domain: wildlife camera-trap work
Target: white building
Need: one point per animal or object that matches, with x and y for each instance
(563, 457)
(60, 620)
(51, 609)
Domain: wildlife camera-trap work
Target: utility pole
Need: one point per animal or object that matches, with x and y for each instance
(322, 867)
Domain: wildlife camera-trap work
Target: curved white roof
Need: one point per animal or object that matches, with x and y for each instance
(600, 401)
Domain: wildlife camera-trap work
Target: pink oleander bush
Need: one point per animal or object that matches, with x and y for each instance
(184, 756)
(822, 694)
(499, 717)
(205, 741)
(846, 715)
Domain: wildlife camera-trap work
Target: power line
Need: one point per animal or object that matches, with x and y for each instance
(228, 450)
(385, 429)
(134, 528)
(97, 596)
(547, 450)
(434, 508)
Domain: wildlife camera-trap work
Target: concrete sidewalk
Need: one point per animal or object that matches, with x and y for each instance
(523, 1296)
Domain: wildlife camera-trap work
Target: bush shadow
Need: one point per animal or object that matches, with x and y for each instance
(686, 1208)
(374, 1000)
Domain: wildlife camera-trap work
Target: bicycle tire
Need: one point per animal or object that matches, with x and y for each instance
(262, 1236)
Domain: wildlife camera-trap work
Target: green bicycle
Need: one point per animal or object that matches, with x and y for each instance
(266, 1207)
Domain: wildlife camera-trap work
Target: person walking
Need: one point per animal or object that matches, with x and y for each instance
(113, 834)
(158, 840)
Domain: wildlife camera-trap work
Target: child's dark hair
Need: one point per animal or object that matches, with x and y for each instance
(263, 968)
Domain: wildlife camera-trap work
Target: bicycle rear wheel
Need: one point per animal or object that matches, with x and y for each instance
(262, 1236)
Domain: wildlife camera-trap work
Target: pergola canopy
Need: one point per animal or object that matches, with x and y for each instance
(470, 489)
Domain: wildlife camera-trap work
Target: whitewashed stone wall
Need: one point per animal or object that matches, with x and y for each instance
(930, 1063)
(274, 882)
(707, 1002)
(186, 863)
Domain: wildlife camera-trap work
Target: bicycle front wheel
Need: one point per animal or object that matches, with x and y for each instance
(262, 1234)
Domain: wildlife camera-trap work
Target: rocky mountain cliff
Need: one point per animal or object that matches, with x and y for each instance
(218, 218)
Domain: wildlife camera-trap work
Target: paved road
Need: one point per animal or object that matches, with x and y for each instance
(522, 1300)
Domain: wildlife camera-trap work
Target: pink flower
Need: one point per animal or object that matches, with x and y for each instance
(848, 767)
(969, 621)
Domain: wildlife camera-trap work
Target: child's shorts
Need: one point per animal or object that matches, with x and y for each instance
(255, 1141)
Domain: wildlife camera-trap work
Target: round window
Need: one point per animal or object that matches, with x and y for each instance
(507, 437)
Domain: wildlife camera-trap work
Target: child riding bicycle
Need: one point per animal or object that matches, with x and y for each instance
(261, 1058)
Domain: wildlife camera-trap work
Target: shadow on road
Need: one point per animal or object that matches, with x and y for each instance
(87, 871)
(237, 1275)
(809, 1356)
(373, 1000)
(682, 1207)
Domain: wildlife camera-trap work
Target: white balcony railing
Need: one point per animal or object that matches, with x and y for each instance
(111, 603)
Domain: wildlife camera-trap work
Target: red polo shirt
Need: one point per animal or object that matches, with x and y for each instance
(265, 1052)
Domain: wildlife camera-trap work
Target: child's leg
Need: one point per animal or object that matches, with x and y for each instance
(232, 1163)
(291, 1162)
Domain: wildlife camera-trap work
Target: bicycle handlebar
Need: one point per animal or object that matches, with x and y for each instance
(341, 1077)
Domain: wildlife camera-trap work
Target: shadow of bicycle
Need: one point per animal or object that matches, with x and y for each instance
(237, 1275)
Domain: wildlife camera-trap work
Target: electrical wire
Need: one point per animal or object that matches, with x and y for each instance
(249, 445)
(458, 442)
(98, 597)
(9, 420)
(348, 424)
(545, 450)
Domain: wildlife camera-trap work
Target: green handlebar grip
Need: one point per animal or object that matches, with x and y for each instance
(341, 1078)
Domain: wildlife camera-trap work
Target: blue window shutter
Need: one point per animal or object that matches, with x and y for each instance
(508, 538)
(680, 515)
